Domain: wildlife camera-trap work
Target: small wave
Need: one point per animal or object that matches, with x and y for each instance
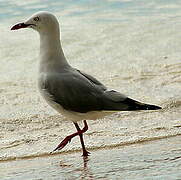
(94, 148)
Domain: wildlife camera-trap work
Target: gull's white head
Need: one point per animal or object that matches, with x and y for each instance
(42, 21)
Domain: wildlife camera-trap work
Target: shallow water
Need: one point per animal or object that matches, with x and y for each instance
(151, 160)
(131, 46)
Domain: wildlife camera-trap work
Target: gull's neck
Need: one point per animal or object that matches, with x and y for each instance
(51, 53)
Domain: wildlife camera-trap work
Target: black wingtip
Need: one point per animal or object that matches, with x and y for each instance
(150, 107)
(135, 105)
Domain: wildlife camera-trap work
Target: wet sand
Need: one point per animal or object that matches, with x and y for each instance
(158, 159)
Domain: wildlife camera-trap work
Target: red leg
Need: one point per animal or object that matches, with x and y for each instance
(85, 152)
(68, 138)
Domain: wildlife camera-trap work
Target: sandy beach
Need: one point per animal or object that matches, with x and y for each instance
(130, 46)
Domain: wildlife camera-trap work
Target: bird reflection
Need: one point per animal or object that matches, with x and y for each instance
(82, 169)
(86, 173)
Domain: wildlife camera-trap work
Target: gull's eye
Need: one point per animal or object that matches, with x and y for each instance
(36, 19)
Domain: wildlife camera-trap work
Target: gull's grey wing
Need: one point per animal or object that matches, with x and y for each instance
(109, 98)
(72, 91)
(79, 92)
(92, 79)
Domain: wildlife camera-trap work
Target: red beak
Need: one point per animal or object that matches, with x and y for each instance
(20, 25)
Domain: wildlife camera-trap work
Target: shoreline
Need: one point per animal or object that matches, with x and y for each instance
(106, 147)
(131, 161)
